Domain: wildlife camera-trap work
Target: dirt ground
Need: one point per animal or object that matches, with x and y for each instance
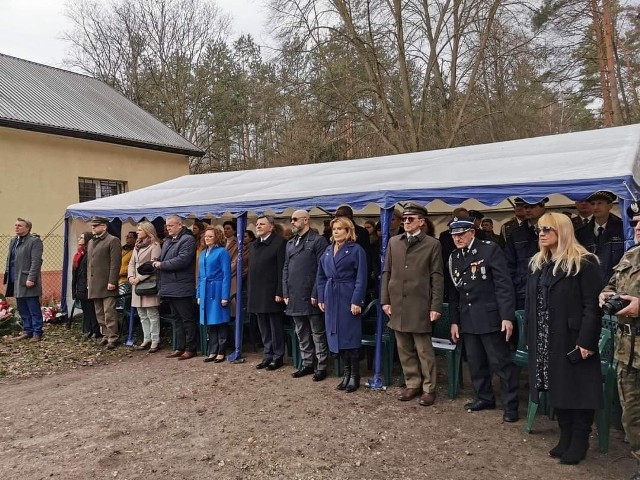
(132, 415)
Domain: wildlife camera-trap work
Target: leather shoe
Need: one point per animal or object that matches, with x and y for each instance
(319, 376)
(103, 341)
(175, 354)
(409, 394)
(22, 336)
(209, 359)
(275, 364)
(35, 339)
(478, 405)
(510, 416)
(111, 345)
(187, 355)
(302, 371)
(427, 399)
(219, 359)
(263, 364)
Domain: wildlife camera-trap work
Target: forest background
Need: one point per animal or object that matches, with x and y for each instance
(360, 78)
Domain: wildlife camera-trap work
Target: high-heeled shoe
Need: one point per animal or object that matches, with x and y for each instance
(220, 360)
(209, 359)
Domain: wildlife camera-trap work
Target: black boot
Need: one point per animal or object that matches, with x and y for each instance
(565, 422)
(581, 428)
(354, 380)
(346, 372)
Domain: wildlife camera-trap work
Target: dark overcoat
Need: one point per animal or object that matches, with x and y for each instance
(342, 282)
(105, 257)
(214, 285)
(482, 295)
(28, 265)
(177, 266)
(412, 282)
(264, 283)
(79, 286)
(609, 249)
(300, 272)
(574, 319)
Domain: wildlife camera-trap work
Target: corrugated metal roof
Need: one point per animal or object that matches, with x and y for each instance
(47, 99)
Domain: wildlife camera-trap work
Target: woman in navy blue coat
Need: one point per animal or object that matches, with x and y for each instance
(342, 284)
(214, 285)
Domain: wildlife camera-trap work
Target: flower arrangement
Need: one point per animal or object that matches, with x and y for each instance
(51, 313)
(8, 320)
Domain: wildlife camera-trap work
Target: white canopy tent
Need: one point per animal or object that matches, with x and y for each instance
(575, 165)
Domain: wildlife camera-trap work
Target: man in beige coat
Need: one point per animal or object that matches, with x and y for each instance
(103, 269)
(411, 295)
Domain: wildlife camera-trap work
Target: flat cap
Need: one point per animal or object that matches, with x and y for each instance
(605, 195)
(412, 208)
(633, 210)
(475, 214)
(95, 220)
(146, 268)
(520, 202)
(460, 225)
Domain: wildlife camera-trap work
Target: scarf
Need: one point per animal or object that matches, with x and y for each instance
(77, 258)
(143, 243)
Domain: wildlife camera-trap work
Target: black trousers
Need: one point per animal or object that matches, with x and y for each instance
(89, 320)
(217, 339)
(186, 325)
(271, 327)
(489, 354)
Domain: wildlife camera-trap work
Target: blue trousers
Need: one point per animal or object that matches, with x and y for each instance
(31, 315)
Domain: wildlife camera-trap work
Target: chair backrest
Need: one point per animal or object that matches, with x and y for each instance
(610, 322)
(605, 346)
(442, 326)
(522, 331)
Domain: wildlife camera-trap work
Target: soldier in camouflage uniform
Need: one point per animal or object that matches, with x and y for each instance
(626, 279)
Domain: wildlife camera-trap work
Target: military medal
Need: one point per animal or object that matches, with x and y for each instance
(483, 272)
(474, 266)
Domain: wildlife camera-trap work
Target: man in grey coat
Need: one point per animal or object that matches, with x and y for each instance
(300, 295)
(23, 278)
(103, 269)
(411, 295)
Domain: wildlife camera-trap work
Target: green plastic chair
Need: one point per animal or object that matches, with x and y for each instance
(442, 329)
(293, 343)
(521, 356)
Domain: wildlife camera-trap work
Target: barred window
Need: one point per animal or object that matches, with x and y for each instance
(91, 188)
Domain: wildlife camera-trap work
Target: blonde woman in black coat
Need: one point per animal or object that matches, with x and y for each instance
(563, 329)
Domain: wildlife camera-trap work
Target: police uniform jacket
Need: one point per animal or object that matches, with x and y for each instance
(266, 260)
(574, 319)
(412, 282)
(104, 255)
(299, 273)
(505, 231)
(626, 279)
(522, 244)
(482, 294)
(610, 249)
(28, 264)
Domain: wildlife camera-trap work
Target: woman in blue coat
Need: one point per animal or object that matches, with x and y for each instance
(214, 285)
(342, 284)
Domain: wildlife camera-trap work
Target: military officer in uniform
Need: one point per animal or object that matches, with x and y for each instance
(626, 279)
(603, 235)
(519, 216)
(481, 307)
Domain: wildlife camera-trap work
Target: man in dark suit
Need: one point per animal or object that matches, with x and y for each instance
(519, 216)
(23, 278)
(264, 285)
(585, 214)
(481, 306)
(300, 294)
(603, 235)
(411, 295)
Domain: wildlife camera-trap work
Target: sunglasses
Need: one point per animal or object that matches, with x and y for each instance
(409, 219)
(294, 219)
(544, 230)
(634, 223)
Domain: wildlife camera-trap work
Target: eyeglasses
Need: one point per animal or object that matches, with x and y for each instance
(544, 230)
(634, 223)
(409, 219)
(294, 219)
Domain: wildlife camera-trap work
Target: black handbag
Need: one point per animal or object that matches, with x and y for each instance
(147, 287)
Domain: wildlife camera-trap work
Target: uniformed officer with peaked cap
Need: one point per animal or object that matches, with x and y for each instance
(482, 310)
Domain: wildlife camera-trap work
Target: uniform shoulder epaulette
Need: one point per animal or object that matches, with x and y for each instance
(486, 242)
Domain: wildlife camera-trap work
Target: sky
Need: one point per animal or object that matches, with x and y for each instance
(33, 29)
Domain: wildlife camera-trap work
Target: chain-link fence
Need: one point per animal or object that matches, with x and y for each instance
(53, 251)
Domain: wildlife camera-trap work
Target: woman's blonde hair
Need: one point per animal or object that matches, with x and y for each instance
(347, 224)
(219, 239)
(150, 230)
(569, 252)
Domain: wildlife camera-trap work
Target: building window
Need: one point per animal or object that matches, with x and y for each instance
(90, 188)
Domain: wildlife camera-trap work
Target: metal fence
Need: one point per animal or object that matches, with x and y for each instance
(53, 252)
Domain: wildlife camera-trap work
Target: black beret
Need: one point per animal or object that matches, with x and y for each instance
(460, 225)
(633, 210)
(412, 208)
(146, 268)
(95, 220)
(476, 214)
(602, 195)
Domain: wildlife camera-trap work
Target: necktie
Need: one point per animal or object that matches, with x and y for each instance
(297, 240)
(600, 230)
(585, 221)
(465, 251)
(412, 239)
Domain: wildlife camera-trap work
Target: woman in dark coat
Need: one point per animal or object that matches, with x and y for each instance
(213, 292)
(342, 285)
(562, 314)
(79, 288)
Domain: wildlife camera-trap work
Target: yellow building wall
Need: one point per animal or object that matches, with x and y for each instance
(39, 174)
